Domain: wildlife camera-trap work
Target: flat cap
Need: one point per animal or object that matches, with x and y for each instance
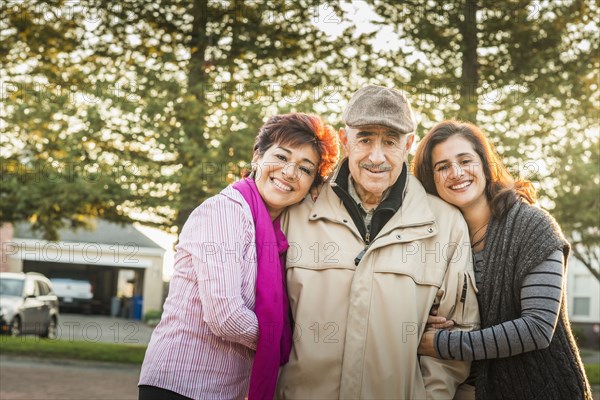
(378, 105)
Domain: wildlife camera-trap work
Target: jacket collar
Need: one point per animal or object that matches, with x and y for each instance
(413, 209)
(392, 202)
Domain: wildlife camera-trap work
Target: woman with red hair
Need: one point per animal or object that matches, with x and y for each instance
(225, 327)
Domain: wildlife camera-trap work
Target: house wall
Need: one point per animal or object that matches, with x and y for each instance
(55, 259)
(583, 303)
(6, 237)
(153, 286)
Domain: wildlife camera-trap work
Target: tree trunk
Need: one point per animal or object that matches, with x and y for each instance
(469, 81)
(195, 124)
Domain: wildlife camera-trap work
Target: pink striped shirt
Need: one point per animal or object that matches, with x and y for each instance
(204, 345)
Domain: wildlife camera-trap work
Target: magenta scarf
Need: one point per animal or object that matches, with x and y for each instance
(271, 307)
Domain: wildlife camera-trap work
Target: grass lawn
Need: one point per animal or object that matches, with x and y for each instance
(593, 373)
(35, 347)
(590, 358)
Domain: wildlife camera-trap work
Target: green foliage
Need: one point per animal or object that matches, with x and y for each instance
(531, 84)
(579, 335)
(142, 109)
(161, 99)
(534, 61)
(75, 143)
(593, 373)
(574, 183)
(152, 316)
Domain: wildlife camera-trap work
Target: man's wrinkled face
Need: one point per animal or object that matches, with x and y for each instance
(376, 155)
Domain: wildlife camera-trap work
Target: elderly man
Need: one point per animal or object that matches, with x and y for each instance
(367, 261)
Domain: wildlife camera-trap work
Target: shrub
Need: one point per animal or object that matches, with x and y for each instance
(593, 373)
(579, 333)
(152, 317)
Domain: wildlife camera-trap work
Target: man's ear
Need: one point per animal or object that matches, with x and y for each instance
(409, 141)
(343, 135)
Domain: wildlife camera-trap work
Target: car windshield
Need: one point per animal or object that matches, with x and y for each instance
(11, 287)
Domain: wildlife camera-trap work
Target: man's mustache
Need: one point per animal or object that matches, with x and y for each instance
(378, 168)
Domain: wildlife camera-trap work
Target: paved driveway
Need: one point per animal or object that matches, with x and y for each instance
(41, 379)
(99, 328)
(47, 379)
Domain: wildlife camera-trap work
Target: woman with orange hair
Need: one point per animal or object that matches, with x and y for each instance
(525, 348)
(225, 327)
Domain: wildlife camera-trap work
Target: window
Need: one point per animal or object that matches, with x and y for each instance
(581, 306)
(582, 295)
(43, 288)
(30, 287)
(11, 287)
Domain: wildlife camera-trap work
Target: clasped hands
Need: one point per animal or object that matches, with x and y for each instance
(434, 323)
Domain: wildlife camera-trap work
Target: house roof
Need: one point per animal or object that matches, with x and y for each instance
(103, 232)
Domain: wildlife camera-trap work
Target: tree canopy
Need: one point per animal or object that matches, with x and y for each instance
(142, 109)
(139, 110)
(527, 73)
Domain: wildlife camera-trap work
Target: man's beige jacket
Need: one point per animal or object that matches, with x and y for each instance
(357, 327)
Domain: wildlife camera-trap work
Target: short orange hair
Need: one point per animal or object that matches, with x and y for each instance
(297, 129)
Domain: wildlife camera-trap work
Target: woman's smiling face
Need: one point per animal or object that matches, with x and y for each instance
(284, 175)
(458, 173)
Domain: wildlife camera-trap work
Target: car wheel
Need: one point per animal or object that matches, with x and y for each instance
(51, 330)
(15, 327)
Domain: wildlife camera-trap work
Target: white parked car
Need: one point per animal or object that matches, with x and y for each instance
(73, 294)
(27, 305)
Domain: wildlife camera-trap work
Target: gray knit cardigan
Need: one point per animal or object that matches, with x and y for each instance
(514, 245)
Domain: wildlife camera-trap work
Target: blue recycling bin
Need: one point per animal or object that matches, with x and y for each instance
(115, 306)
(138, 305)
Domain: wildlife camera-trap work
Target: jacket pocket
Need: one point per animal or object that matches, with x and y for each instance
(422, 273)
(466, 311)
(412, 252)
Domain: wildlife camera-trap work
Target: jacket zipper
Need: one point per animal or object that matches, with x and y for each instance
(360, 256)
(367, 238)
(463, 295)
(363, 251)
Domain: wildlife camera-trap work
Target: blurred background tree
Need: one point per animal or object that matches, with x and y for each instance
(526, 71)
(573, 189)
(139, 110)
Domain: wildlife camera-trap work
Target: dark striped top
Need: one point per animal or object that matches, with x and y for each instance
(540, 303)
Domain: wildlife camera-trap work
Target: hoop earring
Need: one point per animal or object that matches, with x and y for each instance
(252, 174)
